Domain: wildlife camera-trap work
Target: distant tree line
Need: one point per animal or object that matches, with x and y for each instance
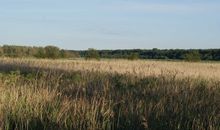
(51, 52)
(54, 52)
(172, 54)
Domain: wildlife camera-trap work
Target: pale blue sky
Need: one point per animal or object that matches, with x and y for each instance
(111, 24)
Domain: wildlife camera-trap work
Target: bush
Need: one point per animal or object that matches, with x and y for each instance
(92, 54)
(40, 53)
(68, 54)
(133, 56)
(52, 52)
(193, 56)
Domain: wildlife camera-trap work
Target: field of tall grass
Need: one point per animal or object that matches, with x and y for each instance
(108, 94)
(140, 68)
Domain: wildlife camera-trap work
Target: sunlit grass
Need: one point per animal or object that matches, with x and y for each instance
(141, 68)
(110, 94)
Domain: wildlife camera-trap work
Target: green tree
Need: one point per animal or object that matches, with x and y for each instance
(1, 51)
(52, 52)
(63, 54)
(92, 54)
(68, 54)
(133, 56)
(40, 53)
(193, 56)
(9, 51)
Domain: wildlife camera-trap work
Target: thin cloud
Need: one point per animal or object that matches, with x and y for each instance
(162, 8)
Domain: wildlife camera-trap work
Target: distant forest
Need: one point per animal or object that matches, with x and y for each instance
(55, 52)
(172, 54)
(52, 52)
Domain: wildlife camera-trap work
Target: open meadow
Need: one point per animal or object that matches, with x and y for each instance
(140, 68)
(42, 94)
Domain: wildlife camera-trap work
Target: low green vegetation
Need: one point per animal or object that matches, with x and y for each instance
(193, 56)
(133, 56)
(92, 54)
(39, 99)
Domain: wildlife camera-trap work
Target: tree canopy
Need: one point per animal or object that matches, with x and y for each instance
(54, 52)
(51, 52)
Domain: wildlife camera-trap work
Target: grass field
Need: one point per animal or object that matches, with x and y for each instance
(140, 68)
(108, 94)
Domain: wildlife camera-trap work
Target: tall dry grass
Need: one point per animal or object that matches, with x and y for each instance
(35, 97)
(141, 68)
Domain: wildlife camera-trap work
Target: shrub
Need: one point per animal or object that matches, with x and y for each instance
(40, 53)
(133, 56)
(193, 56)
(52, 52)
(92, 54)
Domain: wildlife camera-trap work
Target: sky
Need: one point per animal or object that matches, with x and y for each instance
(111, 24)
